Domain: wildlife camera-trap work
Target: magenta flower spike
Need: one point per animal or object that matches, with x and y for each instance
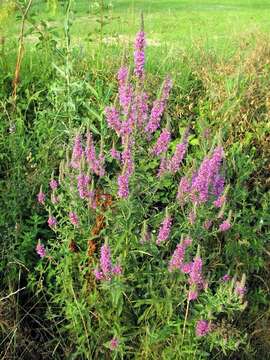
(141, 102)
(162, 143)
(178, 157)
(105, 260)
(202, 328)
(52, 222)
(114, 343)
(53, 184)
(40, 249)
(177, 259)
(113, 119)
(107, 270)
(139, 56)
(123, 182)
(225, 226)
(77, 153)
(125, 91)
(73, 217)
(41, 197)
(164, 230)
(158, 108)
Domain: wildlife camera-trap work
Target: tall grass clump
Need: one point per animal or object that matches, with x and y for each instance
(136, 264)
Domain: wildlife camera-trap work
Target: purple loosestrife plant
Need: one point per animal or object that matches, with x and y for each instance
(141, 102)
(114, 343)
(107, 270)
(95, 164)
(196, 280)
(225, 226)
(125, 90)
(73, 217)
(82, 184)
(162, 143)
(177, 259)
(178, 156)
(123, 190)
(164, 230)
(139, 56)
(202, 182)
(40, 249)
(201, 190)
(77, 153)
(202, 328)
(53, 184)
(41, 197)
(113, 119)
(52, 222)
(158, 108)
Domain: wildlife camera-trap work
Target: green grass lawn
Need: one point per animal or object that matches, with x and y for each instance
(181, 22)
(206, 23)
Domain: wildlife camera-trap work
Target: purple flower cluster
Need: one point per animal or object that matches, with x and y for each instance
(224, 226)
(52, 222)
(114, 343)
(141, 102)
(164, 230)
(162, 143)
(95, 164)
(41, 197)
(125, 90)
(226, 277)
(158, 108)
(123, 181)
(139, 57)
(73, 217)
(82, 184)
(40, 249)
(107, 270)
(178, 157)
(115, 154)
(53, 184)
(162, 167)
(178, 256)
(113, 118)
(202, 328)
(183, 190)
(77, 153)
(205, 180)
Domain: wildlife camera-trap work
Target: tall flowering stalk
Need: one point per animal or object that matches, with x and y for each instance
(40, 249)
(83, 181)
(196, 280)
(95, 164)
(178, 156)
(158, 108)
(164, 230)
(106, 270)
(177, 260)
(202, 328)
(41, 197)
(139, 56)
(162, 143)
(204, 181)
(125, 90)
(77, 153)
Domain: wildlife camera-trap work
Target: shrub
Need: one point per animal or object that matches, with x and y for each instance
(136, 265)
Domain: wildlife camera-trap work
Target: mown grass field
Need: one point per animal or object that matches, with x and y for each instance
(218, 56)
